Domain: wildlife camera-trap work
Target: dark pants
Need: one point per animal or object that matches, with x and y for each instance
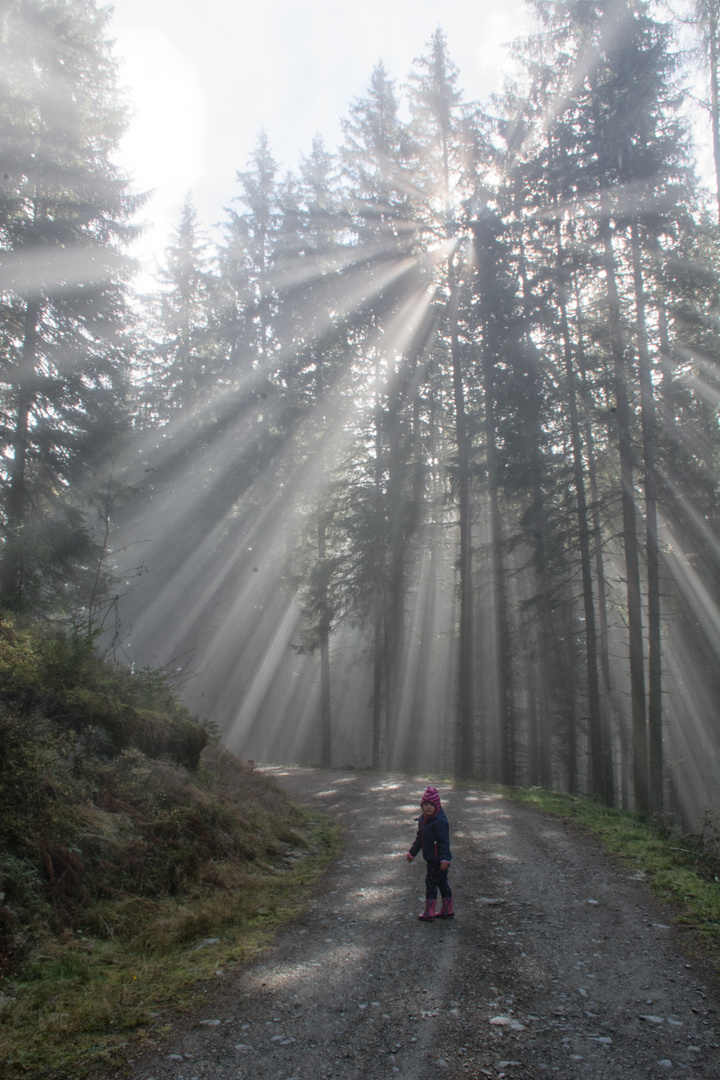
(435, 879)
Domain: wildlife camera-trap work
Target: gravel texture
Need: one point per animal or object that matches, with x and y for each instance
(559, 962)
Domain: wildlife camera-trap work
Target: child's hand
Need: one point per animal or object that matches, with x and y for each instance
(444, 865)
(409, 857)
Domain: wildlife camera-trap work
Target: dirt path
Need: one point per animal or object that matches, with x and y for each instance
(559, 963)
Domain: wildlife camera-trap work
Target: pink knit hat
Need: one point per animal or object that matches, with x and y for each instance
(431, 795)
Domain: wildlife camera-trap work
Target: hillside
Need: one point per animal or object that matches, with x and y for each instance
(127, 838)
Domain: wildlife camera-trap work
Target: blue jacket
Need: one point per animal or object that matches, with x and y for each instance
(433, 836)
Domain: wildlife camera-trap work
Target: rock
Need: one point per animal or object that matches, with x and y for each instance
(206, 942)
(507, 1021)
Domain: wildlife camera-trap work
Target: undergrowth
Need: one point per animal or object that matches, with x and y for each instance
(133, 862)
(681, 869)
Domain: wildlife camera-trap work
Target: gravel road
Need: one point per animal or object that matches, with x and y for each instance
(559, 962)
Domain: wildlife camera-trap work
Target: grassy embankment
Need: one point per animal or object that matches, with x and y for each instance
(136, 857)
(681, 870)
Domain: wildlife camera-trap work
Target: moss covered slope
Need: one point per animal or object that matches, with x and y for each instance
(127, 839)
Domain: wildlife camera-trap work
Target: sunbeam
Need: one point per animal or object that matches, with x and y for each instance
(411, 462)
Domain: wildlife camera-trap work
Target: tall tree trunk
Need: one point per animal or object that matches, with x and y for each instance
(484, 243)
(611, 703)
(541, 752)
(325, 709)
(532, 426)
(647, 405)
(325, 620)
(714, 59)
(397, 504)
(570, 710)
(11, 578)
(632, 570)
(600, 749)
(379, 601)
(465, 743)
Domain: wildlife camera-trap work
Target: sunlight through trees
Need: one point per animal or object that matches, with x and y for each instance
(415, 467)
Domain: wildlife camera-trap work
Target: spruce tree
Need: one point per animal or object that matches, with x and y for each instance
(64, 217)
(182, 365)
(445, 132)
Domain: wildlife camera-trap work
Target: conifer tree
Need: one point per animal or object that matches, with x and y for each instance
(377, 163)
(447, 181)
(613, 104)
(311, 341)
(183, 362)
(705, 18)
(64, 217)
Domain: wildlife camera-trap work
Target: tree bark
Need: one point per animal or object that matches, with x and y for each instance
(611, 703)
(714, 59)
(485, 258)
(379, 658)
(465, 743)
(11, 579)
(647, 406)
(325, 701)
(600, 750)
(632, 570)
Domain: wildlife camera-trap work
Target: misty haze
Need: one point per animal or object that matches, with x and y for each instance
(412, 462)
(400, 456)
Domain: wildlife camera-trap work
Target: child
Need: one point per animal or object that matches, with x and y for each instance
(433, 837)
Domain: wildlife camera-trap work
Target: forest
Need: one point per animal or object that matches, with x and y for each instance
(413, 464)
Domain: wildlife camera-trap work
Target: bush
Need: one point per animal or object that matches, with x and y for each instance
(44, 671)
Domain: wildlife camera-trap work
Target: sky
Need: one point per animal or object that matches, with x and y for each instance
(203, 77)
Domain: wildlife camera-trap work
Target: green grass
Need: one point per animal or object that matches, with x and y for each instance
(83, 997)
(681, 870)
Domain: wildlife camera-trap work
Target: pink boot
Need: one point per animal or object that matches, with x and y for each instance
(429, 913)
(447, 911)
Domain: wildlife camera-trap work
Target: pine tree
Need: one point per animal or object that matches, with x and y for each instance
(376, 158)
(248, 297)
(64, 213)
(311, 339)
(705, 19)
(183, 361)
(448, 150)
